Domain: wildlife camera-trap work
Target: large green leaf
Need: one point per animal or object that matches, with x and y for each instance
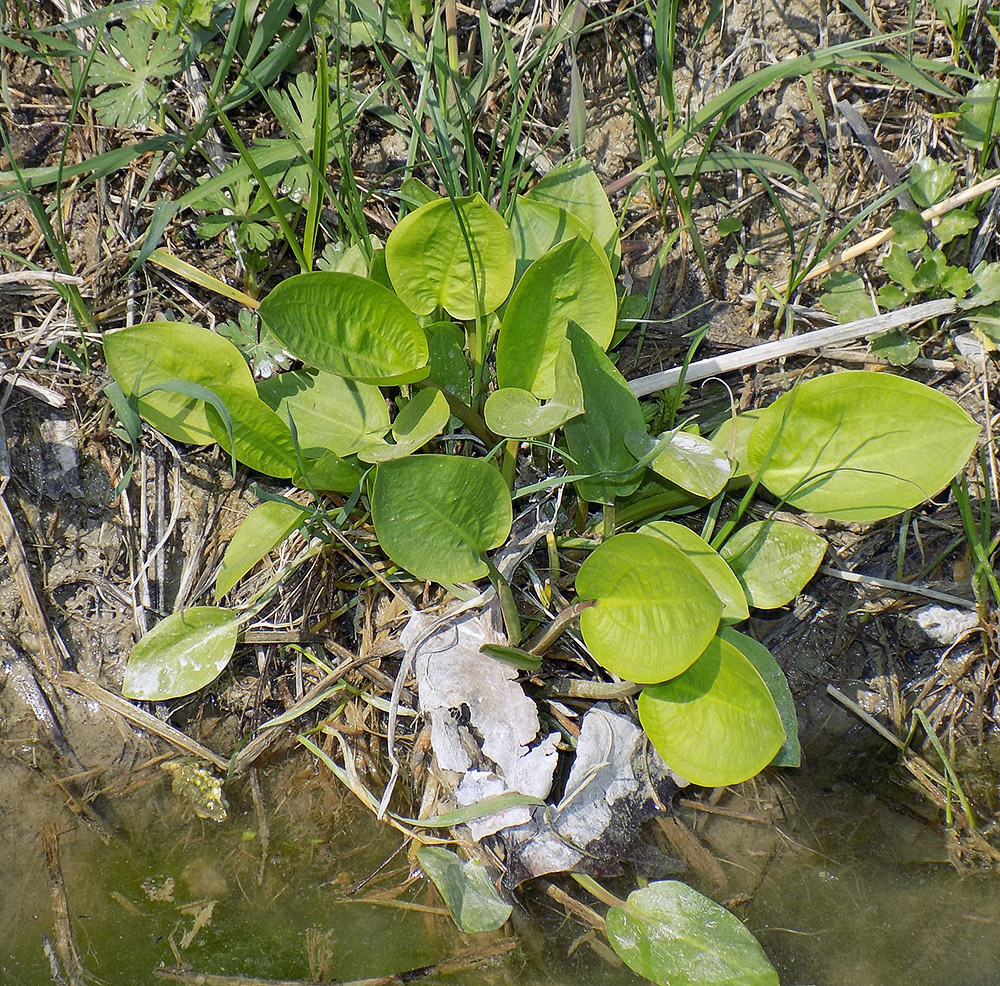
(516, 413)
(465, 886)
(860, 446)
(575, 187)
(538, 226)
(348, 325)
(148, 355)
(773, 560)
(260, 439)
(436, 515)
(654, 611)
(329, 411)
(790, 754)
(707, 560)
(570, 283)
(424, 417)
(455, 254)
(715, 724)
(264, 528)
(595, 440)
(671, 934)
(181, 654)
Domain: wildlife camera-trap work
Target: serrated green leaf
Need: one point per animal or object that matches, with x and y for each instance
(897, 346)
(956, 223)
(133, 69)
(899, 267)
(846, 297)
(908, 227)
(181, 654)
(979, 116)
(930, 181)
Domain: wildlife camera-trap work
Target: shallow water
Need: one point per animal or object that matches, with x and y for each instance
(850, 887)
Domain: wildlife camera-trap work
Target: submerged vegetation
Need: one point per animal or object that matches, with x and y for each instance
(421, 373)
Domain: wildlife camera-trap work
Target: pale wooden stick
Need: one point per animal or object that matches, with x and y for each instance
(877, 239)
(817, 339)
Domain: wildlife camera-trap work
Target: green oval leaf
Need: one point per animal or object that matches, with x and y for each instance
(654, 611)
(575, 187)
(436, 515)
(260, 439)
(670, 933)
(455, 254)
(538, 226)
(715, 724)
(181, 654)
(708, 561)
(465, 886)
(329, 411)
(348, 325)
(570, 283)
(790, 754)
(516, 413)
(773, 560)
(689, 461)
(264, 528)
(860, 446)
(144, 356)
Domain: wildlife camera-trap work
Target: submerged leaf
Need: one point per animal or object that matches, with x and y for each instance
(465, 886)
(671, 934)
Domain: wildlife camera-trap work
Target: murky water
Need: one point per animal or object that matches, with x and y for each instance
(850, 887)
